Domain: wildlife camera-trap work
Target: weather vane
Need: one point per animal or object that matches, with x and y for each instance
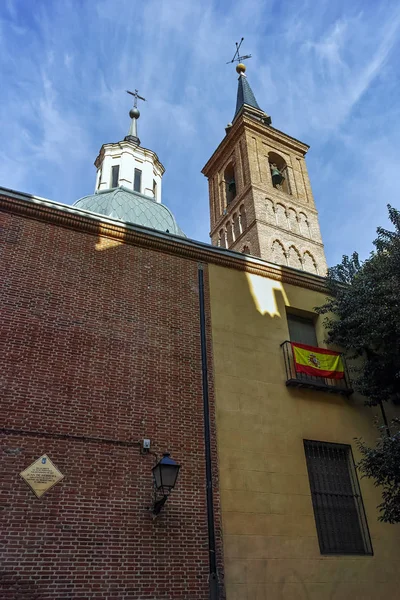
(236, 56)
(135, 94)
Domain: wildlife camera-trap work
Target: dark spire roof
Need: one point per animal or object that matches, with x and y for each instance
(245, 94)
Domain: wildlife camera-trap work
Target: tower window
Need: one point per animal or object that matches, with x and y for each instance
(155, 189)
(230, 183)
(114, 176)
(336, 497)
(279, 172)
(137, 182)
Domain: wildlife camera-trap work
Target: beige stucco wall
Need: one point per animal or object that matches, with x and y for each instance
(270, 540)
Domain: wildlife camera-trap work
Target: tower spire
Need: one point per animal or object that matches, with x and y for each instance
(245, 94)
(134, 114)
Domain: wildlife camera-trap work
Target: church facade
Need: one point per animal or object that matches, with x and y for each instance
(125, 340)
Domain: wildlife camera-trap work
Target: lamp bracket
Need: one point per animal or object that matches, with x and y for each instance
(158, 505)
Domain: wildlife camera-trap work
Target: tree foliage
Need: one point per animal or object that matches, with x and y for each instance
(365, 302)
(382, 464)
(365, 299)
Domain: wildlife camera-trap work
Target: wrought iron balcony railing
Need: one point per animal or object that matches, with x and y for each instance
(303, 380)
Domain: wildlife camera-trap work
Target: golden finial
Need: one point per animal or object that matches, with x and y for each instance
(240, 68)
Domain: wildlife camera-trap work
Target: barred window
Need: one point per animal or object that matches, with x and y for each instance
(338, 507)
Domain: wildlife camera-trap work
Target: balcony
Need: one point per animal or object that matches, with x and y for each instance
(303, 380)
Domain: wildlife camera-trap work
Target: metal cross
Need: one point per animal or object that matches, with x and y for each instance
(136, 96)
(236, 55)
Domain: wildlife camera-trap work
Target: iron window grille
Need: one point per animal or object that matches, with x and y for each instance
(336, 496)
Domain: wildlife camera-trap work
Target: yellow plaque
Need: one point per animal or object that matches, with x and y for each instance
(41, 475)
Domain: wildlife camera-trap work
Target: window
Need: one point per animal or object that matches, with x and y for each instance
(279, 172)
(230, 183)
(338, 507)
(114, 176)
(137, 182)
(301, 330)
(155, 189)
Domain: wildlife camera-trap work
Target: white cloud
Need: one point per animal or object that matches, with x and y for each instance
(322, 70)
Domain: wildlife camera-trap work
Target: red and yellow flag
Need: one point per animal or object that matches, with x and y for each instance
(317, 361)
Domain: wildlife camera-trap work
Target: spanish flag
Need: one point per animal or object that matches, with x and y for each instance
(317, 361)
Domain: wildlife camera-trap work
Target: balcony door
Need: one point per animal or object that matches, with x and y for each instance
(302, 330)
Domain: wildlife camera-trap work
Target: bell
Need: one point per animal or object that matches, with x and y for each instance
(277, 176)
(232, 187)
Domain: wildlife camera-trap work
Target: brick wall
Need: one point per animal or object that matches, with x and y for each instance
(101, 340)
(299, 235)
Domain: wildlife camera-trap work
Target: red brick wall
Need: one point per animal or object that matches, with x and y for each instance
(100, 343)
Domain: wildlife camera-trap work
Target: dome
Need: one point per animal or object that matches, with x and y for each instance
(131, 207)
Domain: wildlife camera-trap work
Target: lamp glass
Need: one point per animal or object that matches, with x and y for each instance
(165, 473)
(157, 475)
(169, 474)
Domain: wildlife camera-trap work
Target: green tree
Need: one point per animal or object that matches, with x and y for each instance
(382, 464)
(365, 299)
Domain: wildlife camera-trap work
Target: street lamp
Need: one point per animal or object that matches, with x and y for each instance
(165, 474)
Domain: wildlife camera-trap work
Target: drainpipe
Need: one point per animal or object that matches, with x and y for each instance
(213, 576)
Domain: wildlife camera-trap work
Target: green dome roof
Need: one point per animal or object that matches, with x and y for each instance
(125, 205)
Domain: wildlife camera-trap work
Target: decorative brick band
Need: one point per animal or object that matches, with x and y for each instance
(79, 220)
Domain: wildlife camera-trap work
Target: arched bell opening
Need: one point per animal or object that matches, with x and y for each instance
(230, 183)
(279, 172)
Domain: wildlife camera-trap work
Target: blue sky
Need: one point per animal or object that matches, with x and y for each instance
(327, 72)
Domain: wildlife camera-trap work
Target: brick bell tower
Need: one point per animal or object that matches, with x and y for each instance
(261, 201)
